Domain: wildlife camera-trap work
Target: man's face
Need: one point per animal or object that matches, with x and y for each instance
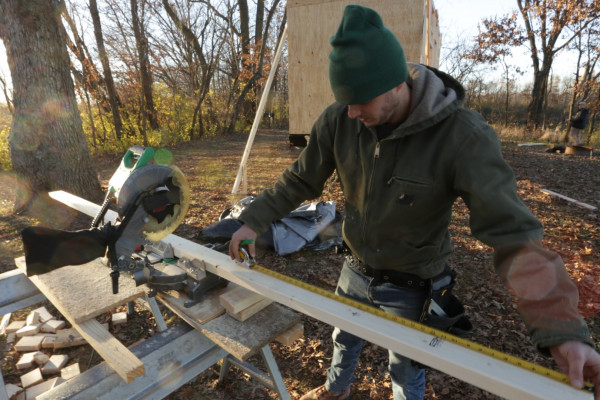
(387, 107)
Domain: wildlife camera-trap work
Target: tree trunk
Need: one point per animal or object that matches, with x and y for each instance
(239, 104)
(47, 145)
(258, 25)
(535, 110)
(6, 96)
(145, 77)
(506, 99)
(110, 84)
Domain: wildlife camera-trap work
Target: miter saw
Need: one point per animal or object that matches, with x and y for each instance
(151, 200)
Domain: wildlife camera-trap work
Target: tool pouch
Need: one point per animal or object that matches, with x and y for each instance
(442, 309)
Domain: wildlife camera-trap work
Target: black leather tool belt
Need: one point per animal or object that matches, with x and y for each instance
(399, 279)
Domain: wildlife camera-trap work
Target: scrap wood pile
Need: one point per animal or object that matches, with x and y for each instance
(40, 352)
(33, 343)
(37, 344)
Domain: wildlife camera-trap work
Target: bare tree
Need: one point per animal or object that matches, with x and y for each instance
(145, 76)
(110, 85)
(47, 144)
(453, 59)
(494, 45)
(586, 79)
(206, 67)
(250, 84)
(547, 25)
(6, 95)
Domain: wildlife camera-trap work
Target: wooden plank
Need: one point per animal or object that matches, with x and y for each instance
(249, 311)
(17, 292)
(119, 357)
(243, 339)
(94, 294)
(491, 374)
(4, 323)
(238, 298)
(240, 339)
(168, 369)
(288, 337)
(308, 49)
(579, 203)
(125, 364)
(206, 310)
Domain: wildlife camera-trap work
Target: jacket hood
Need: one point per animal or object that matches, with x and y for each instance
(434, 96)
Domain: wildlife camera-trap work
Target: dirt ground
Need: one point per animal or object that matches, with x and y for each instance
(211, 166)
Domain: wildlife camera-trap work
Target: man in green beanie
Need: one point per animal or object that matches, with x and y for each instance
(405, 150)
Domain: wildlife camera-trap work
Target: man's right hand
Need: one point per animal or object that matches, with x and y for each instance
(244, 233)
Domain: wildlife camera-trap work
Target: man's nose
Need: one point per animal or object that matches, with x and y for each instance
(353, 111)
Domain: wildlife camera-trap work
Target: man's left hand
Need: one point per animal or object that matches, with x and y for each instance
(579, 361)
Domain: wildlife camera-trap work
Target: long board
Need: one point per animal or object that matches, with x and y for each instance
(488, 373)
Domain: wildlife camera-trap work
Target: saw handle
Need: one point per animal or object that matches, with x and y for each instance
(137, 156)
(114, 275)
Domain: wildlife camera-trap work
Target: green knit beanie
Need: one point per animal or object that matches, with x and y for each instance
(366, 60)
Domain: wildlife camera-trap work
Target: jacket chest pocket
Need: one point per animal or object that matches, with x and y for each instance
(410, 192)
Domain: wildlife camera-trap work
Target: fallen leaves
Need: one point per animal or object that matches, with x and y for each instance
(210, 166)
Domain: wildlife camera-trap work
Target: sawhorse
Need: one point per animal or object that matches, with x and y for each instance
(172, 358)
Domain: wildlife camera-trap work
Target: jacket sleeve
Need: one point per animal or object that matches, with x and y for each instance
(577, 118)
(301, 181)
(545, 295)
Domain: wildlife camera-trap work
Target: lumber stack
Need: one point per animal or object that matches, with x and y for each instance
(241, 303)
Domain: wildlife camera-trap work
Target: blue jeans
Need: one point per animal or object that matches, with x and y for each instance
(408, 381)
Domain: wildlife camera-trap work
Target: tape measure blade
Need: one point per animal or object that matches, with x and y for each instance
(486, 368)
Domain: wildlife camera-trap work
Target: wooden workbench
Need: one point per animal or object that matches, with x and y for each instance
(83, 292)
(240, 339)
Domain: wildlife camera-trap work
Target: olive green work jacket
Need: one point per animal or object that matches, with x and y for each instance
(399, 193)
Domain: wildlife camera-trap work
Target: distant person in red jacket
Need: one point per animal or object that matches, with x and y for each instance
(578, 123)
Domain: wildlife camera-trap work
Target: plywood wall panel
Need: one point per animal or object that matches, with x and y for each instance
(310, 25)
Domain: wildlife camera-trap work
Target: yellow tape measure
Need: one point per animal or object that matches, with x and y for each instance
(557, 376)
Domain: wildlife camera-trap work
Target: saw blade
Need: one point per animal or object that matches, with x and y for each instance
(165, 197)
(157, 228)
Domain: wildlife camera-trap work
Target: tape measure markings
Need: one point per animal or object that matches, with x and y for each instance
(541, 370)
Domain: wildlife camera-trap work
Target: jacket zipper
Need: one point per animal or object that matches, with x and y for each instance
(366, 219)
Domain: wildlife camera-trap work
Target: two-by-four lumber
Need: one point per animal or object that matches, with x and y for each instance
(248, 312)
(486, 372)
(579, 203)
(241, 303)
(173, 358)
(288, 337)
(106, 345)
(238, 298)
(206, 310)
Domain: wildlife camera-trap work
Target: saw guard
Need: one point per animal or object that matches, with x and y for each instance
(149, 178)
(155, 231)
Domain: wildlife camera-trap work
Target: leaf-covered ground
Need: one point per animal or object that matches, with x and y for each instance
(211, 166)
